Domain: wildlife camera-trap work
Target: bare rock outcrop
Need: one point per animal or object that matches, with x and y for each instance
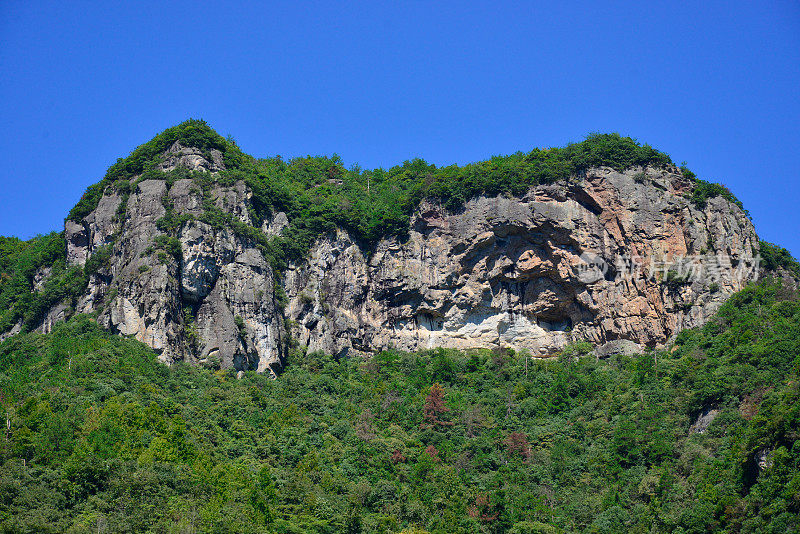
(204, 296)
(576, 260)
(512, 271)
(191, 158)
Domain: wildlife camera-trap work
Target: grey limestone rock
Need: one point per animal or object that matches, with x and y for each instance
(500, 271)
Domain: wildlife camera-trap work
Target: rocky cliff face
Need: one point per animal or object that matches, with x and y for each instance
(501, 271)
(513, 271)
(213, 302)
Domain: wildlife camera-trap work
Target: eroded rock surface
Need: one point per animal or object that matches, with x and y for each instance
(213, 303)
(508, 271)
(501, 271)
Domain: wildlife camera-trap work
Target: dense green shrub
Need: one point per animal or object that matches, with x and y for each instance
(705, 190)
(774, 257)
(21, 260)
(25, 299)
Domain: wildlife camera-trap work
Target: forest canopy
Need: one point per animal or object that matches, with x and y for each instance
(103, 436)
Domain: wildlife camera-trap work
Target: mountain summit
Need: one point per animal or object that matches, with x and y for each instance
(214, 257)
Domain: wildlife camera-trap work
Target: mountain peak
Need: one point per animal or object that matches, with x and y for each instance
(195, 137)
(214, 257)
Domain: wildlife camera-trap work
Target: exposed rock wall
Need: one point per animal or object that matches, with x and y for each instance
(213, 304)
(498, 272)
(509, 271)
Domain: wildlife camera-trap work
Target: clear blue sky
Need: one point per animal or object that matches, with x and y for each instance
(716, 84)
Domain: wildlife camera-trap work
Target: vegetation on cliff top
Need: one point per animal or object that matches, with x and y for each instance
(102, 437)
(319, 193)
(144, 159)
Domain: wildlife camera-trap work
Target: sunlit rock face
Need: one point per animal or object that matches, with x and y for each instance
(512, 272)
(515, 272)
(213, 304)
